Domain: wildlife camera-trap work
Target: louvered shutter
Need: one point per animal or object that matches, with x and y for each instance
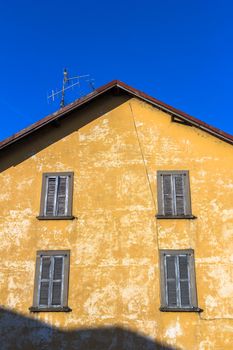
(179, 194)
(167, 195)
(56, 293)
(61, 196)
(184, 280)
(44, 284)
(50, 198)
(45, 268)
(171, 280)
(58, 265)
(178, 286)
(57, 281)
(44, 293)
(51, 280)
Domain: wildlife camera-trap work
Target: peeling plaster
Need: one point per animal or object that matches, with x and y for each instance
(4, 196)
(173, 330)
(227, 214)
(223, 280)
(102, 302)
(96, 133)
(211, 302)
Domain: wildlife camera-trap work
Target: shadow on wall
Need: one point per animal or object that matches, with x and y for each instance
(55, 131)
(18, 332)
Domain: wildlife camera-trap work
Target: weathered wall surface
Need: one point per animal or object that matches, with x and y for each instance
(115, 237)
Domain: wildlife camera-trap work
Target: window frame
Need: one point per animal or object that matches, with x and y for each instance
(69, 215)
(36, 307)
(192, 281)
(187, 195)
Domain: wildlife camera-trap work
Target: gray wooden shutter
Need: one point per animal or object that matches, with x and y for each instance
(58, 265)
(167, 195)
(44, 284)
(44, 293)
(57, 281)
(171, 290)
(61, 195)
(50, 200)
(184, 280)
(56, 293)
(179, 194)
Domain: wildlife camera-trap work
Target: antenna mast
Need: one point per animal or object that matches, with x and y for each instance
(65, 79)
(69, 83)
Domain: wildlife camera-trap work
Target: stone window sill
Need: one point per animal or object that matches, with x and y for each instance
(55, 217)
(190, 217)
(177, 309)
(50, 309)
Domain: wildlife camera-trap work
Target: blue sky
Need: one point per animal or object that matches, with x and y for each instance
(178, 51)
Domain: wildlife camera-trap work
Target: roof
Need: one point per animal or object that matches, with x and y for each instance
(175, 113)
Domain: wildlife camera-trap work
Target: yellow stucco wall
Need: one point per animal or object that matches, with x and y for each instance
(115, 237)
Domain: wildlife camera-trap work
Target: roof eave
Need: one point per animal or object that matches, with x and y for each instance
(137, 93)
(56, 115)
(175, 112)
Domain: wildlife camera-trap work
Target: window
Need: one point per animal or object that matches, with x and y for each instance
(173, 194)
(56, 196)
(178, 287)
(51, 281)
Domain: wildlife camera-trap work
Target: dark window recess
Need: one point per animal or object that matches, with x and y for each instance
(51, 280)
(178, 279)
(56, 197)
(173, 194)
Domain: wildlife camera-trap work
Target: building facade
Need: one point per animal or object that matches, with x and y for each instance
(116, 227)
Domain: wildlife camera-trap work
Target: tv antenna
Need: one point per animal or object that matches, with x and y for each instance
(69, 83)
